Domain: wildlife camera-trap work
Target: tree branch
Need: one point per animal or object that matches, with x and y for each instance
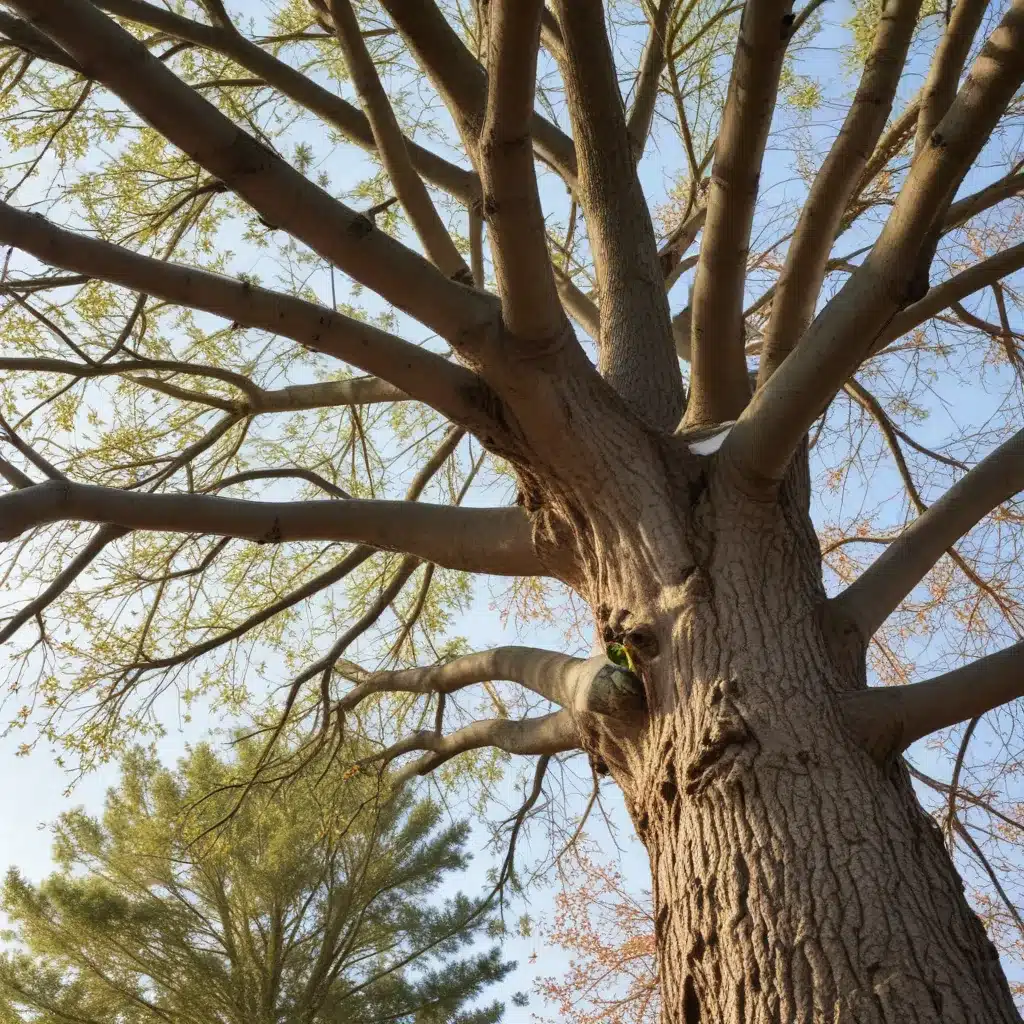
(636, 349)
(473, 540)
(530, 305)
(594, 685)
(387, 134)
(981, 275)
(549, 734)
(648, 79)
(719, 387)
(870, 599)
(349, 120)
(846, 330)
(279, 193)
(797, 289)
(462, 82)
(34, 42)
(888, 719)
(447, 387)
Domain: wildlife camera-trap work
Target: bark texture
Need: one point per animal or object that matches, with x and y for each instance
(794, 878)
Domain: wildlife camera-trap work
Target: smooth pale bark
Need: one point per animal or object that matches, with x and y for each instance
(870, 599)
(799, 283)
(845, 332)
(394, 155)
(719, 387)
(636, 351)
(888, 719)
(475, 540)
(530, 304)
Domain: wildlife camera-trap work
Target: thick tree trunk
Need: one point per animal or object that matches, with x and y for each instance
(794, 878)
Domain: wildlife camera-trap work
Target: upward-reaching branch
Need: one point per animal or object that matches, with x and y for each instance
(796, 291)
(408, 185)
(719, 387)
(652, 63)
(282, 195)
(846, 330)
(636, 348)
(474, 540)
(869, 600)
(530, 305)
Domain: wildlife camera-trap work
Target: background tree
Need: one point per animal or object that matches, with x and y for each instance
(853, 299)
(316, 901)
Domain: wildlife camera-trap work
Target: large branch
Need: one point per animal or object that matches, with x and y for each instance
(299, 88)
(719, 386)
(870, 599)
(33, 42)
(549, 734)
(531, 308)
(447, 387)
(846, 330)
(473, 540)
(796, 291)
(967, 282)
(594, 685)
(648, 79)
(888, 719)
(394, 155)
(279, 193)
(462, 82)
(636, 348)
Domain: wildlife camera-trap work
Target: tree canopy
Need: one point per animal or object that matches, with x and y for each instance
(315, 902)
(314, 312)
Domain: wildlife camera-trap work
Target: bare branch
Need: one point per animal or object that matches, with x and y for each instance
(636, 349)
(300, 88)
(423, 375)
(473, 540)
(33, 42)
(282, 195)
(578, 305)
(981, 275)
(530, 305)
(869, 600)
(408, 185)
(888, 719)
(719, 387)
(549, 734)
(797, 289)
(462, 82)
(593, 685)
(645, 96)
(847, 329)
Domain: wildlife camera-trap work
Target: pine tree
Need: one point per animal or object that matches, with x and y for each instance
(315, 901)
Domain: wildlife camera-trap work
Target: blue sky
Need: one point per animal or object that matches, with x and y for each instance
(35, 793)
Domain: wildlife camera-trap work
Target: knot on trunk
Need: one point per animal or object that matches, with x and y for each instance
(726, 742)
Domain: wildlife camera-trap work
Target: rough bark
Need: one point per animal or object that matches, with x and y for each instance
(794, 878)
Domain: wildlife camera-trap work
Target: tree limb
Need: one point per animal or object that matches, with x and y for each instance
(530, 305)
(652, 63)
(870, 599)
(387, 134)
(796, 291)
(549, 734)
(888, 719)
(846, 330)
(34, 42)
(447, 387)
(473, 540)
(279, 193)
(636, 349)
(719, 387)
(593, 685)
(299, 88)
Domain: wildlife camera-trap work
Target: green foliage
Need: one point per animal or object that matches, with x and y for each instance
(314, 901)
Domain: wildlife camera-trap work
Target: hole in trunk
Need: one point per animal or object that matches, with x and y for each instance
(691, 1004)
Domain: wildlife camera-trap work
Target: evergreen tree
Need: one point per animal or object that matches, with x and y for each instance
(312, 902)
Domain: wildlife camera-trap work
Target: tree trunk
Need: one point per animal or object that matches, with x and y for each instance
(794, 878)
